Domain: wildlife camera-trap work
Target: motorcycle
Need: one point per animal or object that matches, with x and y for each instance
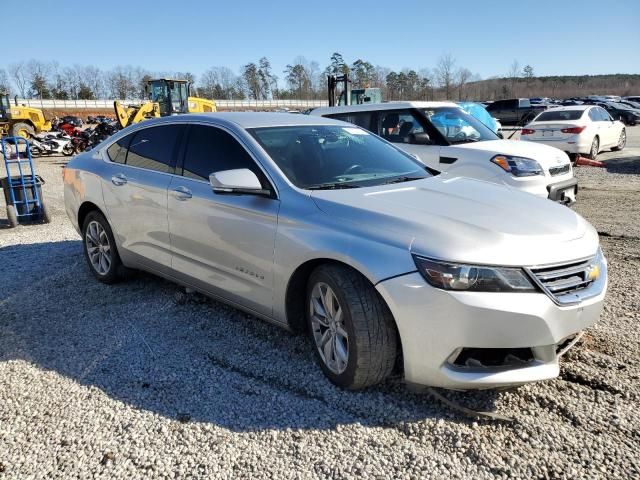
(48, 144)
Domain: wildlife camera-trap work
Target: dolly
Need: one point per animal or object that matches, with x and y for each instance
(22, 187)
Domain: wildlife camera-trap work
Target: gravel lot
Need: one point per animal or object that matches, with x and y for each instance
(129, 381)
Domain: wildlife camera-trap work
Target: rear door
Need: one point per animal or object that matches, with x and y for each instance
(222, 243)
(606, 128)
(135, 193)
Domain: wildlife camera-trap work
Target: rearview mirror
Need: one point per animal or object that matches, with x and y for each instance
(240, 180)
(420, 139)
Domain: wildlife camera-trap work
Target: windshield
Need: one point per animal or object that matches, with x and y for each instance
(619, 106)
(554, 115)
(457, 126)
(333, 156)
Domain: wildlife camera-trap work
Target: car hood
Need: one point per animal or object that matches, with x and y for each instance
(463, 220)
(545, 155)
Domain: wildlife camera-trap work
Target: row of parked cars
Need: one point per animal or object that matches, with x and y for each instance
(404, 236)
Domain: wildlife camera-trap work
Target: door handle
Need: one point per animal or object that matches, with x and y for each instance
(182, 193)
(119, 180)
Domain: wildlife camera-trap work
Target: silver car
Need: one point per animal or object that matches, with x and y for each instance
(318, 225)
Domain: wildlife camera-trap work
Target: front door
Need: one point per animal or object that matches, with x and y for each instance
(135, 193)
(222, 243)
(397, 126)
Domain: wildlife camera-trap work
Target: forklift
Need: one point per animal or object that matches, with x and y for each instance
(348, 96)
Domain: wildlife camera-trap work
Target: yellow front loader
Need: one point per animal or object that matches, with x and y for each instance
(165, 97)
(20, 120)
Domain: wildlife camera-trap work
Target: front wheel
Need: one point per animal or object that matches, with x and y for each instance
(67, 150)
(351, 327)
(12, 216)
(622, 141)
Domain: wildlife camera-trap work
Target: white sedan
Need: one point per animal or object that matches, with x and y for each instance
(585, 130)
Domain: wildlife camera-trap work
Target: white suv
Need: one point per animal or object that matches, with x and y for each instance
(447, 139)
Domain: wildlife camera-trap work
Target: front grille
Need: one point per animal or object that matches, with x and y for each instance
(564, 279)
(562, 169)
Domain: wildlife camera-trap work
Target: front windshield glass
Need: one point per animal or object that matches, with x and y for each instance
(335, 156)
(457, 126)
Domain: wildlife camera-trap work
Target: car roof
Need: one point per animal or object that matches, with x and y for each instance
(372, 107)
(247, 119)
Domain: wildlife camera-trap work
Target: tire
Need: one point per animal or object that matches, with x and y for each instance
(111, 273)
(22, 129)
(45, 216)
(35, 151)
(68, 150)
(595, 149)
(12, 216)
(371, 342)
(622, 141)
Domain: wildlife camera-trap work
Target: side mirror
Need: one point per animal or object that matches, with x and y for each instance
(241, 180)
(420, 139)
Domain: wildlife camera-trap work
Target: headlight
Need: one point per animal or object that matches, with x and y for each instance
(474, 278)
(518, 166)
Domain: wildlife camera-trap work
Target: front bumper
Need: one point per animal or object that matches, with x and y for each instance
(435, 325)
(564, 192)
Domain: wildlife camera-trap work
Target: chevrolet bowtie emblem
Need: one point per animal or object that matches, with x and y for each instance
(593, 272)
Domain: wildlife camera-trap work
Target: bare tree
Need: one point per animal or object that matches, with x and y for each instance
(18, 72)
(514, 75)
(445, 73)
(5, 84)
(463, 75)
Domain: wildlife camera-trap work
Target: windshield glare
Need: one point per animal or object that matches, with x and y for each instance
(335, 156)
(458, 126)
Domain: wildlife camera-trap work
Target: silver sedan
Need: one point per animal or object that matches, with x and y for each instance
(320, 226)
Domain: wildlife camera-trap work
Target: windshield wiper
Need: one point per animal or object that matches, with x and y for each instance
(402, 179)
(332, 186)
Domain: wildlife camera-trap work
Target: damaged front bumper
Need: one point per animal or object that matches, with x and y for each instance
(478, 340)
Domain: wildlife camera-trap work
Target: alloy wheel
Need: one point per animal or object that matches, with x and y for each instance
(594, 148)
(327, 324)
(623, 139)
(98, 247)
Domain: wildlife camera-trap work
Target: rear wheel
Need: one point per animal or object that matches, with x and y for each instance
(12, 216)
(595, 149)
(100, 248)
(622, 141)
(23, 130)
(351, 327)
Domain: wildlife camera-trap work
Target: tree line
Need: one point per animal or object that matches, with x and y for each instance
(305, 80)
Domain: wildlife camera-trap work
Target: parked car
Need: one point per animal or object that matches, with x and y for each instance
(624, 113)
(318, 225)
(447, 139)
(585, 130)
(632, 99)
(515, 111)
(72, 120)
(630, 103)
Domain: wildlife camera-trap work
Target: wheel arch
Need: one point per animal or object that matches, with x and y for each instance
(296, 292)
(84, 210)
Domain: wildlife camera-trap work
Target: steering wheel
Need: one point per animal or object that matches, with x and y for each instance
(461, 135)
(352, 169)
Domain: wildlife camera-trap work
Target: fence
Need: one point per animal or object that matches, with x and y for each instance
(222, 104)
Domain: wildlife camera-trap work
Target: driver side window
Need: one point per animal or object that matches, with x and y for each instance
(396, 127)
(210, 149)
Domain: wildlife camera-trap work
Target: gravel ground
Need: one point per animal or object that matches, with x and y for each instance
(131, 381)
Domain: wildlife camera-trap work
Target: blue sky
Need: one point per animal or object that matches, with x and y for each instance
(555, 37)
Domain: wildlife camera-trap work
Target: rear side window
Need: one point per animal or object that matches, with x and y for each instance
(153, 148)
(593, 115)
(210, 150)
(362, 119)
